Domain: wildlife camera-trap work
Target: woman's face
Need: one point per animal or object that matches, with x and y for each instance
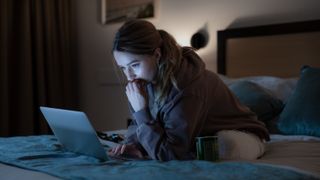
(137, 66)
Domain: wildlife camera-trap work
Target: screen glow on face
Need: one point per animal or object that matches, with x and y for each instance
(136, 66)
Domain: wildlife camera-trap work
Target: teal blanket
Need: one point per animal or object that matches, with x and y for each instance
(45, 154)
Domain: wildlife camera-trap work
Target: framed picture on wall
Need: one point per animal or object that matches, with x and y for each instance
(113, 11)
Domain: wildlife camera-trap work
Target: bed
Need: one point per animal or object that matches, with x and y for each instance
(265, 68)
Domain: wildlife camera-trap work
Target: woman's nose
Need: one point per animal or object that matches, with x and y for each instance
(130, 75)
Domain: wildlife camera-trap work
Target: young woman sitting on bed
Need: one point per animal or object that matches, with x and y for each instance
(174, 99)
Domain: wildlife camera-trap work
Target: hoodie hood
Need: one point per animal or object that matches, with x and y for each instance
(192, 67)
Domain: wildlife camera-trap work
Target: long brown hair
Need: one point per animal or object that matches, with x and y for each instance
(141, 37)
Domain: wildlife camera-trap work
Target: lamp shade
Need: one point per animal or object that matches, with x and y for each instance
(199, 40)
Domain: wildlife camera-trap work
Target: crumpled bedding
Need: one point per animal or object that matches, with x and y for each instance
(44, 154)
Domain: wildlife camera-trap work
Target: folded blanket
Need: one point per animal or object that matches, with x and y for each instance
(45, 154)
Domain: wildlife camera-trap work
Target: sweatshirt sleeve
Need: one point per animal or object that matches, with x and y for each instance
(171, 138)
(131, 136)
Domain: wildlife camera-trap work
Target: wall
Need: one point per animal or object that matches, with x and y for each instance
(101, 96)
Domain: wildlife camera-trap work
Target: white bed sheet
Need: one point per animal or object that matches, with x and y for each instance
(301, 152)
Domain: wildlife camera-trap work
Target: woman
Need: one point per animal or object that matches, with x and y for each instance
(174, 99)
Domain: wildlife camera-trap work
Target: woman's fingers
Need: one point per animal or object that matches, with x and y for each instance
(114, 150)
(123, 149)
(129, 87)
(135, 87)
(120, 149)
(136, 95)
(126, 149)
(117, 150)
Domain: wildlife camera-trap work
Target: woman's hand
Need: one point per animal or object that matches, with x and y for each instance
(130, 149)
(136, 94)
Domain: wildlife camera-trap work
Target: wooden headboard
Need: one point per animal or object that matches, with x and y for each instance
(274, 50)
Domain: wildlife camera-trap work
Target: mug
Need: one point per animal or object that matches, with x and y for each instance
(207, 148)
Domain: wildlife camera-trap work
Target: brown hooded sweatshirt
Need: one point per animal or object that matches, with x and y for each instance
(202, 106)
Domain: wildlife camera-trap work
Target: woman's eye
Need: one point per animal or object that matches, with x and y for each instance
(135, 65)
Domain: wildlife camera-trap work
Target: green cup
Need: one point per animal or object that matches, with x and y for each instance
(207, 148)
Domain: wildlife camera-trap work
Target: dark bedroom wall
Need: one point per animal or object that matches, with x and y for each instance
(100, 94)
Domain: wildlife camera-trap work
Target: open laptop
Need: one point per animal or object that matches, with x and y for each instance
(75, 132)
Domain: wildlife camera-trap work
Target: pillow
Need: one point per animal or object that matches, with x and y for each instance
(281, 88)
(258, 99)
(301, 114)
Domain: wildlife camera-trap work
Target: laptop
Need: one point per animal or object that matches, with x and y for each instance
(75, 132)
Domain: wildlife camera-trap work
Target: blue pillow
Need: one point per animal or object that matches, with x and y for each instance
(301, 114)
(258, 99)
